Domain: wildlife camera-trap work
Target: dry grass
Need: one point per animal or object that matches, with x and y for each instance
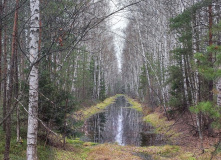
(86, 151)
(162, 126)
(115, 152)
(111, 152)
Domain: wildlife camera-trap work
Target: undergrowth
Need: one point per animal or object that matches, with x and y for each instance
(161, 125)
(78, 150)
(18, 150)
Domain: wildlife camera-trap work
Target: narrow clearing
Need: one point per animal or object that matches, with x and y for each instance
(110, 135)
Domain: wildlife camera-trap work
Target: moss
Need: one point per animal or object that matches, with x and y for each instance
(135, 105)
(82, 115)
(161, 125)
(186, 156)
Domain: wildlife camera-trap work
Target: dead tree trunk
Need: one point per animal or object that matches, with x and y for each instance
(10, 90)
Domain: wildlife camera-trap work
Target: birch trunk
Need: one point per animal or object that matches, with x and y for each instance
(75, 74)
(5, 73)
(95, 81)
(33, 82)
(99, 76)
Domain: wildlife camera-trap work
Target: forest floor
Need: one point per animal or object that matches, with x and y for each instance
(18, 150)
(189, 140)
(182, 144)
(181, 133)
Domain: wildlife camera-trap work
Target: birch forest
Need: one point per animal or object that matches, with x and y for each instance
(110, 79)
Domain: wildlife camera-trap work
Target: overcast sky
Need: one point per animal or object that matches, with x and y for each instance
(118, 25)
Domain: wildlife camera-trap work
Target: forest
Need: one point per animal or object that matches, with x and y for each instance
(110, 79)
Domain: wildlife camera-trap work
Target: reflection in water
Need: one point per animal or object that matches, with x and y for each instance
(121, 124)
(119, 137)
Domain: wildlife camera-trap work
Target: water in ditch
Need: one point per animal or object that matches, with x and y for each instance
(119, 123)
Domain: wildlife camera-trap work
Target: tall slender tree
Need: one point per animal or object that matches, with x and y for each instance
(11, 82)
(5, 72)
(33, 81)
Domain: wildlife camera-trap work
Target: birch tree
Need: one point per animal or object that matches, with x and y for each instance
(33, 81)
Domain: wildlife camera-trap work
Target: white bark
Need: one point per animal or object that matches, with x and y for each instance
(75, 73)
(143, 54)
(95, 81)
(99, 76)
(33, 82)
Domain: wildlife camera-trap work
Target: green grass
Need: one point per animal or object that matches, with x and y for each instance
(18, 151)
(135, 105)
(161, 125)
(84, 114)
(79, 150)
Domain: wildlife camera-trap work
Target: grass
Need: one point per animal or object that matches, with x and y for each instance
(79, 150)
(166, 152)
(84, 114)
(18, 151)
(116, 152)
(77, 154)
(91, 151)
(161, 125)
(111, 152)
(135, 105)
